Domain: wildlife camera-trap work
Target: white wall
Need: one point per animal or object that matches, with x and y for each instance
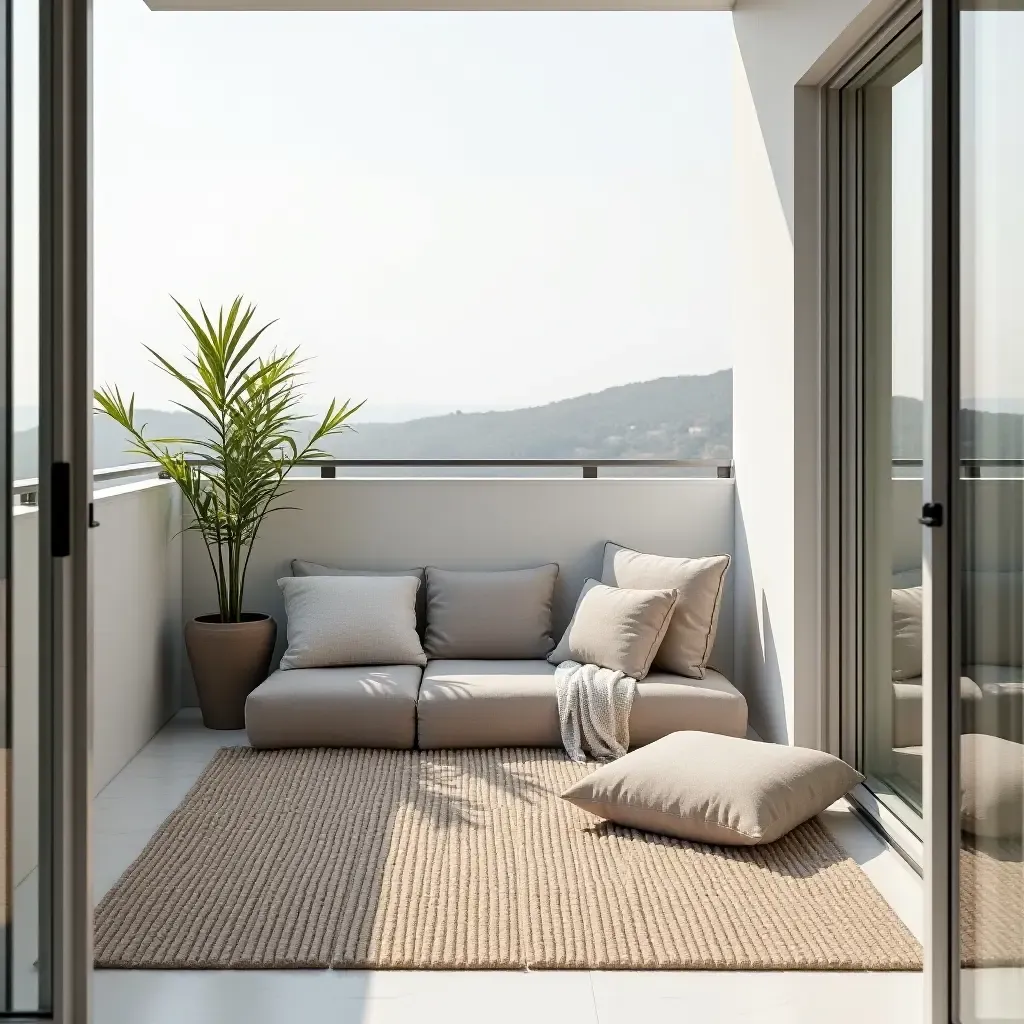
(478, 523)
(779, 45)
(137, 648)
(137, 641)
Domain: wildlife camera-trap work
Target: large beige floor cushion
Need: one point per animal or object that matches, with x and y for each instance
(513, 703)
(335, 707)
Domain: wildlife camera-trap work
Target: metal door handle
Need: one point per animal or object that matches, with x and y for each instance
(931, 514)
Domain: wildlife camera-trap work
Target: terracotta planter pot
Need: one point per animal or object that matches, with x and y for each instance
(229, 660)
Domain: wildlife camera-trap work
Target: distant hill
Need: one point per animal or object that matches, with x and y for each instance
(983, 435)
(672, 417)
(109, 443)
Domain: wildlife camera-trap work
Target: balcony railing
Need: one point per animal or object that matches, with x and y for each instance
(26, 492)
(970, 469)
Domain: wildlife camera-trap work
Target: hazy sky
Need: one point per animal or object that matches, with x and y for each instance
(992, 329)
(451, 210)
(463, 210)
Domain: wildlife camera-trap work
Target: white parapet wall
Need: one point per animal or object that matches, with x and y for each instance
(137, 647)
(477, 523)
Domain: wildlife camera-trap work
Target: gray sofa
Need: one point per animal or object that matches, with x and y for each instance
(466, 692)
(465, 703)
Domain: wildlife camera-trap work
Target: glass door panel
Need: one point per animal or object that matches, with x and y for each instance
(28, 979)
(45, 651)
(891, 105)
(991, 541)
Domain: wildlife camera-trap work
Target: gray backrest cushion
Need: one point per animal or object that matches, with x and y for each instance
(504, 613)
(303, 568)
(992, 615)
(993, 618)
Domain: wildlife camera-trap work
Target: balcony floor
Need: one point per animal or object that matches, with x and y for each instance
(131, 807)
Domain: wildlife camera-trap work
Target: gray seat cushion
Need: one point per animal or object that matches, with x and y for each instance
(908, 710)
(513, 704)
(667, 703)
(1002, 700)
(487, 704)
(335, 707)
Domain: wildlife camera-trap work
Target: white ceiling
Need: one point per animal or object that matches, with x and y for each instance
(437, 5)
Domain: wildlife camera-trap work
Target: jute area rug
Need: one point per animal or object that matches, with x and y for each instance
(469, 859)
(991, 903)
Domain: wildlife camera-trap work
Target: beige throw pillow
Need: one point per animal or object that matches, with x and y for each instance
(907, 643)
(714, 789)
(991, 786)
(502, 614)
(615, 628)
(700, 582)
(351, 620)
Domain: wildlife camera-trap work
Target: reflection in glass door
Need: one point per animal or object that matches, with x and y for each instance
(888, 102)
(29, 981)
(991, 501)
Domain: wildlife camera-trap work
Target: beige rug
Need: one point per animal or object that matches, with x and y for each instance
(991, 903)
(452, 859)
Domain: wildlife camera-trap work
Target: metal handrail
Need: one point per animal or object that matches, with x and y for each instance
(328, 467)
(964, 462)
(972, 467)
(27, 491)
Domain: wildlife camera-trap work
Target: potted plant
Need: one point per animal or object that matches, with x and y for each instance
(250, 436)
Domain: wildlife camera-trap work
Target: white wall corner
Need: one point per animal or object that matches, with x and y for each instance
(783, 51)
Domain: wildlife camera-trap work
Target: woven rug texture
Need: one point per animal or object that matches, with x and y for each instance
(469, 859)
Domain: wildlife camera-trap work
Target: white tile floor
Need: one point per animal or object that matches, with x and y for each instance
(148, 789)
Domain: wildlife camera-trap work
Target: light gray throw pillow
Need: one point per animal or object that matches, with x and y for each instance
(501, 614)
(715, 789)
(303, 568)
(351, 620)
(616, 628)
(700, 582)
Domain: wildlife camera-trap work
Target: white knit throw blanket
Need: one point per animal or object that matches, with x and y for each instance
(593, 710)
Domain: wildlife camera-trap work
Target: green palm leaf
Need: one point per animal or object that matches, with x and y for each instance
(232, 476)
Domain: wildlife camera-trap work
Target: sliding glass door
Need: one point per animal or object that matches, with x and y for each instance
(890, 108)
(45, 663)
(926, 157)
(878, 175)
(988, 914)
(974, 514)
